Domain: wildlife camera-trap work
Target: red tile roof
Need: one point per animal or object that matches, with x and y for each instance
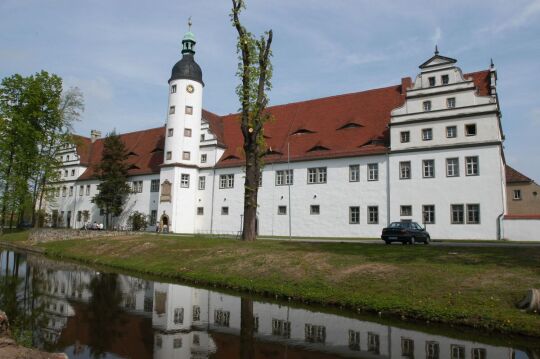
(522, 216)
(346, 125)
(513, 176)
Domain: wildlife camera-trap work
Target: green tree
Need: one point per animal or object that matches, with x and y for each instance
(112, 171)
(138, 221)
(255, 72)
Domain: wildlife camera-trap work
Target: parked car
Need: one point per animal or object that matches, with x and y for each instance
(405, 232)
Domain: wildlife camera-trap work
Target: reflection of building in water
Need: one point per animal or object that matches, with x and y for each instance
(176, 321)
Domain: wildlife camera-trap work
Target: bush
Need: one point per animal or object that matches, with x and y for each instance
(138, 221)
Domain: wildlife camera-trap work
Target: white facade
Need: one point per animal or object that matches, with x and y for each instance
(444, 116)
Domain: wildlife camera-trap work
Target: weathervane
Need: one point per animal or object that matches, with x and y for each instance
(189, 23)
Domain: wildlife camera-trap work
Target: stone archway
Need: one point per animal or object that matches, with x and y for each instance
(165, 221)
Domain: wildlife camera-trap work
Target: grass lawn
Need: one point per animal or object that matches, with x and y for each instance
(474, 286)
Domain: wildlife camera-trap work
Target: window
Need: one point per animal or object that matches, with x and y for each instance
(73, 172)
(451, 132)
(196, 313)
(405, 170)
(202, 137)
(224, 211)
(458, 214)
(226, 181)
(479, 353)
(170, 132)
(444, 79)
(282, 210)
(186, 155)
(451, 102)
(136, 187)
(88, 190)
(153, 217)
(203, 158)
(354, 173)
(517, 194)
(373, 343)
(189, 110)
(200, 211)
(472, 166)
(473, 214)
(354, 340)
(354, 215)
(177, 343)
(432, 350)
(315, 333)
(79, 216)
(202, 182)
(317, 175)
(171, 110)
(284, 177)
(373, 172)
(427, 105)
(81, 190)
(168, 155)
(405, 211)
(314, 209)
(65, 173)
(178, 316)
(452, 167)
(428, 214)
(427, 134)
(184, 180)
(281, 328)
(457, 352)
(373, 215)
(431, 81)
(407, 348)
(154, 185)
(70, 191)
(405, 136)
(187, 132)
(470, 129)
(173, 89)
(428, 168)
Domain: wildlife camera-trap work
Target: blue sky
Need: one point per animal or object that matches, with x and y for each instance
(120, 52)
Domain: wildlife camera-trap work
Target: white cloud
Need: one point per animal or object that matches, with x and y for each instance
(520, 18)
(436, 38)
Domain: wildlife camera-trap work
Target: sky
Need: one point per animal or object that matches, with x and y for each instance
(120, 53)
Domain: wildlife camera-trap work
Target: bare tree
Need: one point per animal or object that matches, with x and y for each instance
(255, 72)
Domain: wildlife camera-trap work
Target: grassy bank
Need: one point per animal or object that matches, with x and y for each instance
(472, 286)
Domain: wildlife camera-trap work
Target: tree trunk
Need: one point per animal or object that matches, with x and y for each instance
(247, 321)
(41, 193)
(6, 190)
(34, 201)
(531, 302)
(251, 189)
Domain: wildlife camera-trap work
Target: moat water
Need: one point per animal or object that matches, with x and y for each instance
(88, 313)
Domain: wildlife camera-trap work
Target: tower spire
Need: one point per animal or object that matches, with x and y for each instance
(189, 22)
(436, 49)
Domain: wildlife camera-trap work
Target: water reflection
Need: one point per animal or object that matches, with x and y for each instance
(87, 314)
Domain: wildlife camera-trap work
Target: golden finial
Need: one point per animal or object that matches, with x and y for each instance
(189, 23)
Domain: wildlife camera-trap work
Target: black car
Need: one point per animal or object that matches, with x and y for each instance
(405, 232)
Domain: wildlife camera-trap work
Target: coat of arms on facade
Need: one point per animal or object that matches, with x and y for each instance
(165, 192)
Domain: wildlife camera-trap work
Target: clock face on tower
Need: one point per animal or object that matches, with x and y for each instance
(190, 88)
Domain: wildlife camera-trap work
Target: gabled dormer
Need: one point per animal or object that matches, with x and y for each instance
(437, 62)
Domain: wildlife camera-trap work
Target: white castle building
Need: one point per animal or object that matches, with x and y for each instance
(428, 150)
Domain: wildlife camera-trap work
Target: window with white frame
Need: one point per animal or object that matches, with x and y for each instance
(428, 214)
(470, 129)
(72, 172)
(184, 180)
(427, 134)
(472, 166)
(178, 316)
(64, 191)
(226, 181)
(282, 210)
(203, 158)
(81, 190)
(405, 170)
(373, 214)
(354, 340)
(196, 313)
(354, 215)
(432, 350)
(189, 110)
(224, 211)
(284, 177)
(479, 353)
(457, 352)
(405, 136)
(153, 217)
(200, 211)
(186, 155)
(457, 214)
(70, 191)
(202, 137)
(137, 186)
(451, 132)
(202, 182)
(428, 168)
(173, 89)
(452, 167)
(172, 109)
(65, 173)
(354, 173)
(473, 213)
(315, 209)
(315, 333)
(154, 185)
(405, 211)
(451, 102)
(316, 175)
(517, 194)
(444, 79)
(187, 132)
(431, 81)
(407, 348)
(373, 172)
(168, 155)
(373, 343)
(170, 132)
(426, 105)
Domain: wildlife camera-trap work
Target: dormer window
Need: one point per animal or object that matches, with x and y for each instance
(171, 110)
(451, 102)
(444, 79)
(173, 89)
(431, 81)
(427, 105)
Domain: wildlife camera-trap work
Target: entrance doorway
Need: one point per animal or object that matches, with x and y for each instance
(165, 223)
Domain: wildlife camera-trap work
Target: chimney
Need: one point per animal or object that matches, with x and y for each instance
(94, 135)
(406, 83)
